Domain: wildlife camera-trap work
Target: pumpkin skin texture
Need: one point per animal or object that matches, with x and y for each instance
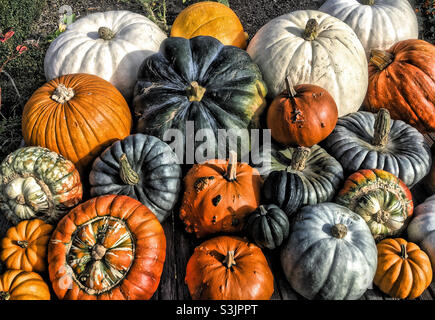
(402, 79)
(421, 229)
(202, 81)
(404, 271)
(378, 23)
(141, 167)
(330, 254)
(23, 285)
(82, 48)
(429, 181)
(302, 116)
(229, 268)
(363, 140)
(25, 246)
(329, 56)
(380, 198)
(268, 226)
(213, 19)
(107, 248)
(92, 116)
(219, 195)
(38, 183)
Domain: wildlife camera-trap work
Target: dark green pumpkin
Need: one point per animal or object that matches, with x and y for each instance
(203, 81)
(142, 167)
(268, 226)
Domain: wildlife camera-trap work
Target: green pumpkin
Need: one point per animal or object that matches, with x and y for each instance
(268, 226)
(203, 81)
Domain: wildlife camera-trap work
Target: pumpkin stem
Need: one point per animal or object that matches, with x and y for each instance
(381, 59)
(263, 210)
(4, 295)
(382, 128)
(403, 253)
(299, 158)
(126, 172)
(382, 216)
(311, 30)
(98, 252)
(231, 173)
(339, 230)
(289, 86)
(62, 94)
(23, 244)
(105, 33)
(229, 260)
(195, 91)
(368, 2)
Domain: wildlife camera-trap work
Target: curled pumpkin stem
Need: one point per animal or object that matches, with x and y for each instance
(263, 211)
(231, 173)
(229, 260)
(381, 59)
(290, 88)
(299, 158)
(403, 253)
(382, 128)
(126, 172)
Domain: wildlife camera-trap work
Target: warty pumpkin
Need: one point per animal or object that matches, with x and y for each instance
(229, 268)
(23, 285)
(108, 248)
(38, 183)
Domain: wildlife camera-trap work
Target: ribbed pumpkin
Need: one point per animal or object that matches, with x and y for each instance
(429, 181)
(229, 268)
(108, 248)
(219, 195)
(208, 18)
(380, 198)
(403, 271)
(23, 285)
(402, 79)
(24, 246)
(77, 116)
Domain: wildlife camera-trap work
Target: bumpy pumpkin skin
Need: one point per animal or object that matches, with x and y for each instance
(380, 198)
(213, 19)
(108, 248)
(405, 85)
(211, 275)
(330, 254)
(23, 285)
(403, 271)
(156, 177)
(38, 183)
(24, 246)
(203, 81)
(80, 128)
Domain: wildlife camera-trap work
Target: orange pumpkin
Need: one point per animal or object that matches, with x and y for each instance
(229, 268)
(302, 116)
(25, 246)
(212, 19)
(219, 195)
(23, 285)
(77, 116)
(107, 248)
(402, 80)
(404, 271)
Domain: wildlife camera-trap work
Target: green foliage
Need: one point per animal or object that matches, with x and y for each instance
(10, 135)
(66, 21)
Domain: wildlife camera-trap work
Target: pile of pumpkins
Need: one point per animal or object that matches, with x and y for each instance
(347, 93)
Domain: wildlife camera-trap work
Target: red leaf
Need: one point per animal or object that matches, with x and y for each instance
(21, 48)
(7, 35)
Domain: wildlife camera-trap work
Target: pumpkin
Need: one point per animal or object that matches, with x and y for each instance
(111, 45)
(421, 229)
(77, 116)
(363, 140)
(199, 84)
(302, 116)
(109, 247)
(404, 271)
(429, 181)
(228, 268)
(299, 176)
(268, 226)
(24, 246)
(330, 254)
(402, 79)
(312, 47)
(380, 198)
(38, 183)
(142, 167)
(23, 285)
(378, 23)
(219, 195)
(208, 18)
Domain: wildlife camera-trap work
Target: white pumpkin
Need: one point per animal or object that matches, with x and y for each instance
(331, 57)
(421, 229)
(131, 38)
(378, 23)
